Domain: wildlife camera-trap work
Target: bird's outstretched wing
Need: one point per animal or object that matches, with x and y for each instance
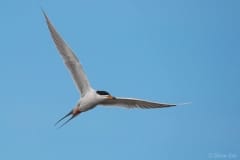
(70, 59)
(135, 103)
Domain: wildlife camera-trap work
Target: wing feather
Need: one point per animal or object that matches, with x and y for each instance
(70, 59)
(135, 103)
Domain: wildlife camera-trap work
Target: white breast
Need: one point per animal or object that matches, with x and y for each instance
(89, 101)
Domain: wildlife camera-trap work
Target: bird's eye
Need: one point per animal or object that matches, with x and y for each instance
(103, 93)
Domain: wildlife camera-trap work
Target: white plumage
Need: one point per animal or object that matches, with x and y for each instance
(90, 98)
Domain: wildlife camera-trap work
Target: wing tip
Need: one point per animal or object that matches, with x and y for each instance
(45, 15)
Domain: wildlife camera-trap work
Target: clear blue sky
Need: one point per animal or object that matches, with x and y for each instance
(162, 50)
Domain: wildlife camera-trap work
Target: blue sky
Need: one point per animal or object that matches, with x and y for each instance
(162, 50)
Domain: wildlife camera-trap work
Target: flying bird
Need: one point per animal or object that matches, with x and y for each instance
(90, 97)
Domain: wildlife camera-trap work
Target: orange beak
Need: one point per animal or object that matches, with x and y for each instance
(111, 97)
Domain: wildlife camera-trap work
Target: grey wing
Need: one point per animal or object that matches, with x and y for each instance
(135, 103)
(70, 59)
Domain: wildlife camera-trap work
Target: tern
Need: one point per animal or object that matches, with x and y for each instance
(90, 97)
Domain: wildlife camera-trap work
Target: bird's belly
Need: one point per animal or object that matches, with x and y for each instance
(86, 107)
(87, 103)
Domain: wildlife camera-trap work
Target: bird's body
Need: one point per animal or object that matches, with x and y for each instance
(90, 100)
(90, 97)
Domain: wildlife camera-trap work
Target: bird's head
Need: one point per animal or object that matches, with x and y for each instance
(105, 95)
